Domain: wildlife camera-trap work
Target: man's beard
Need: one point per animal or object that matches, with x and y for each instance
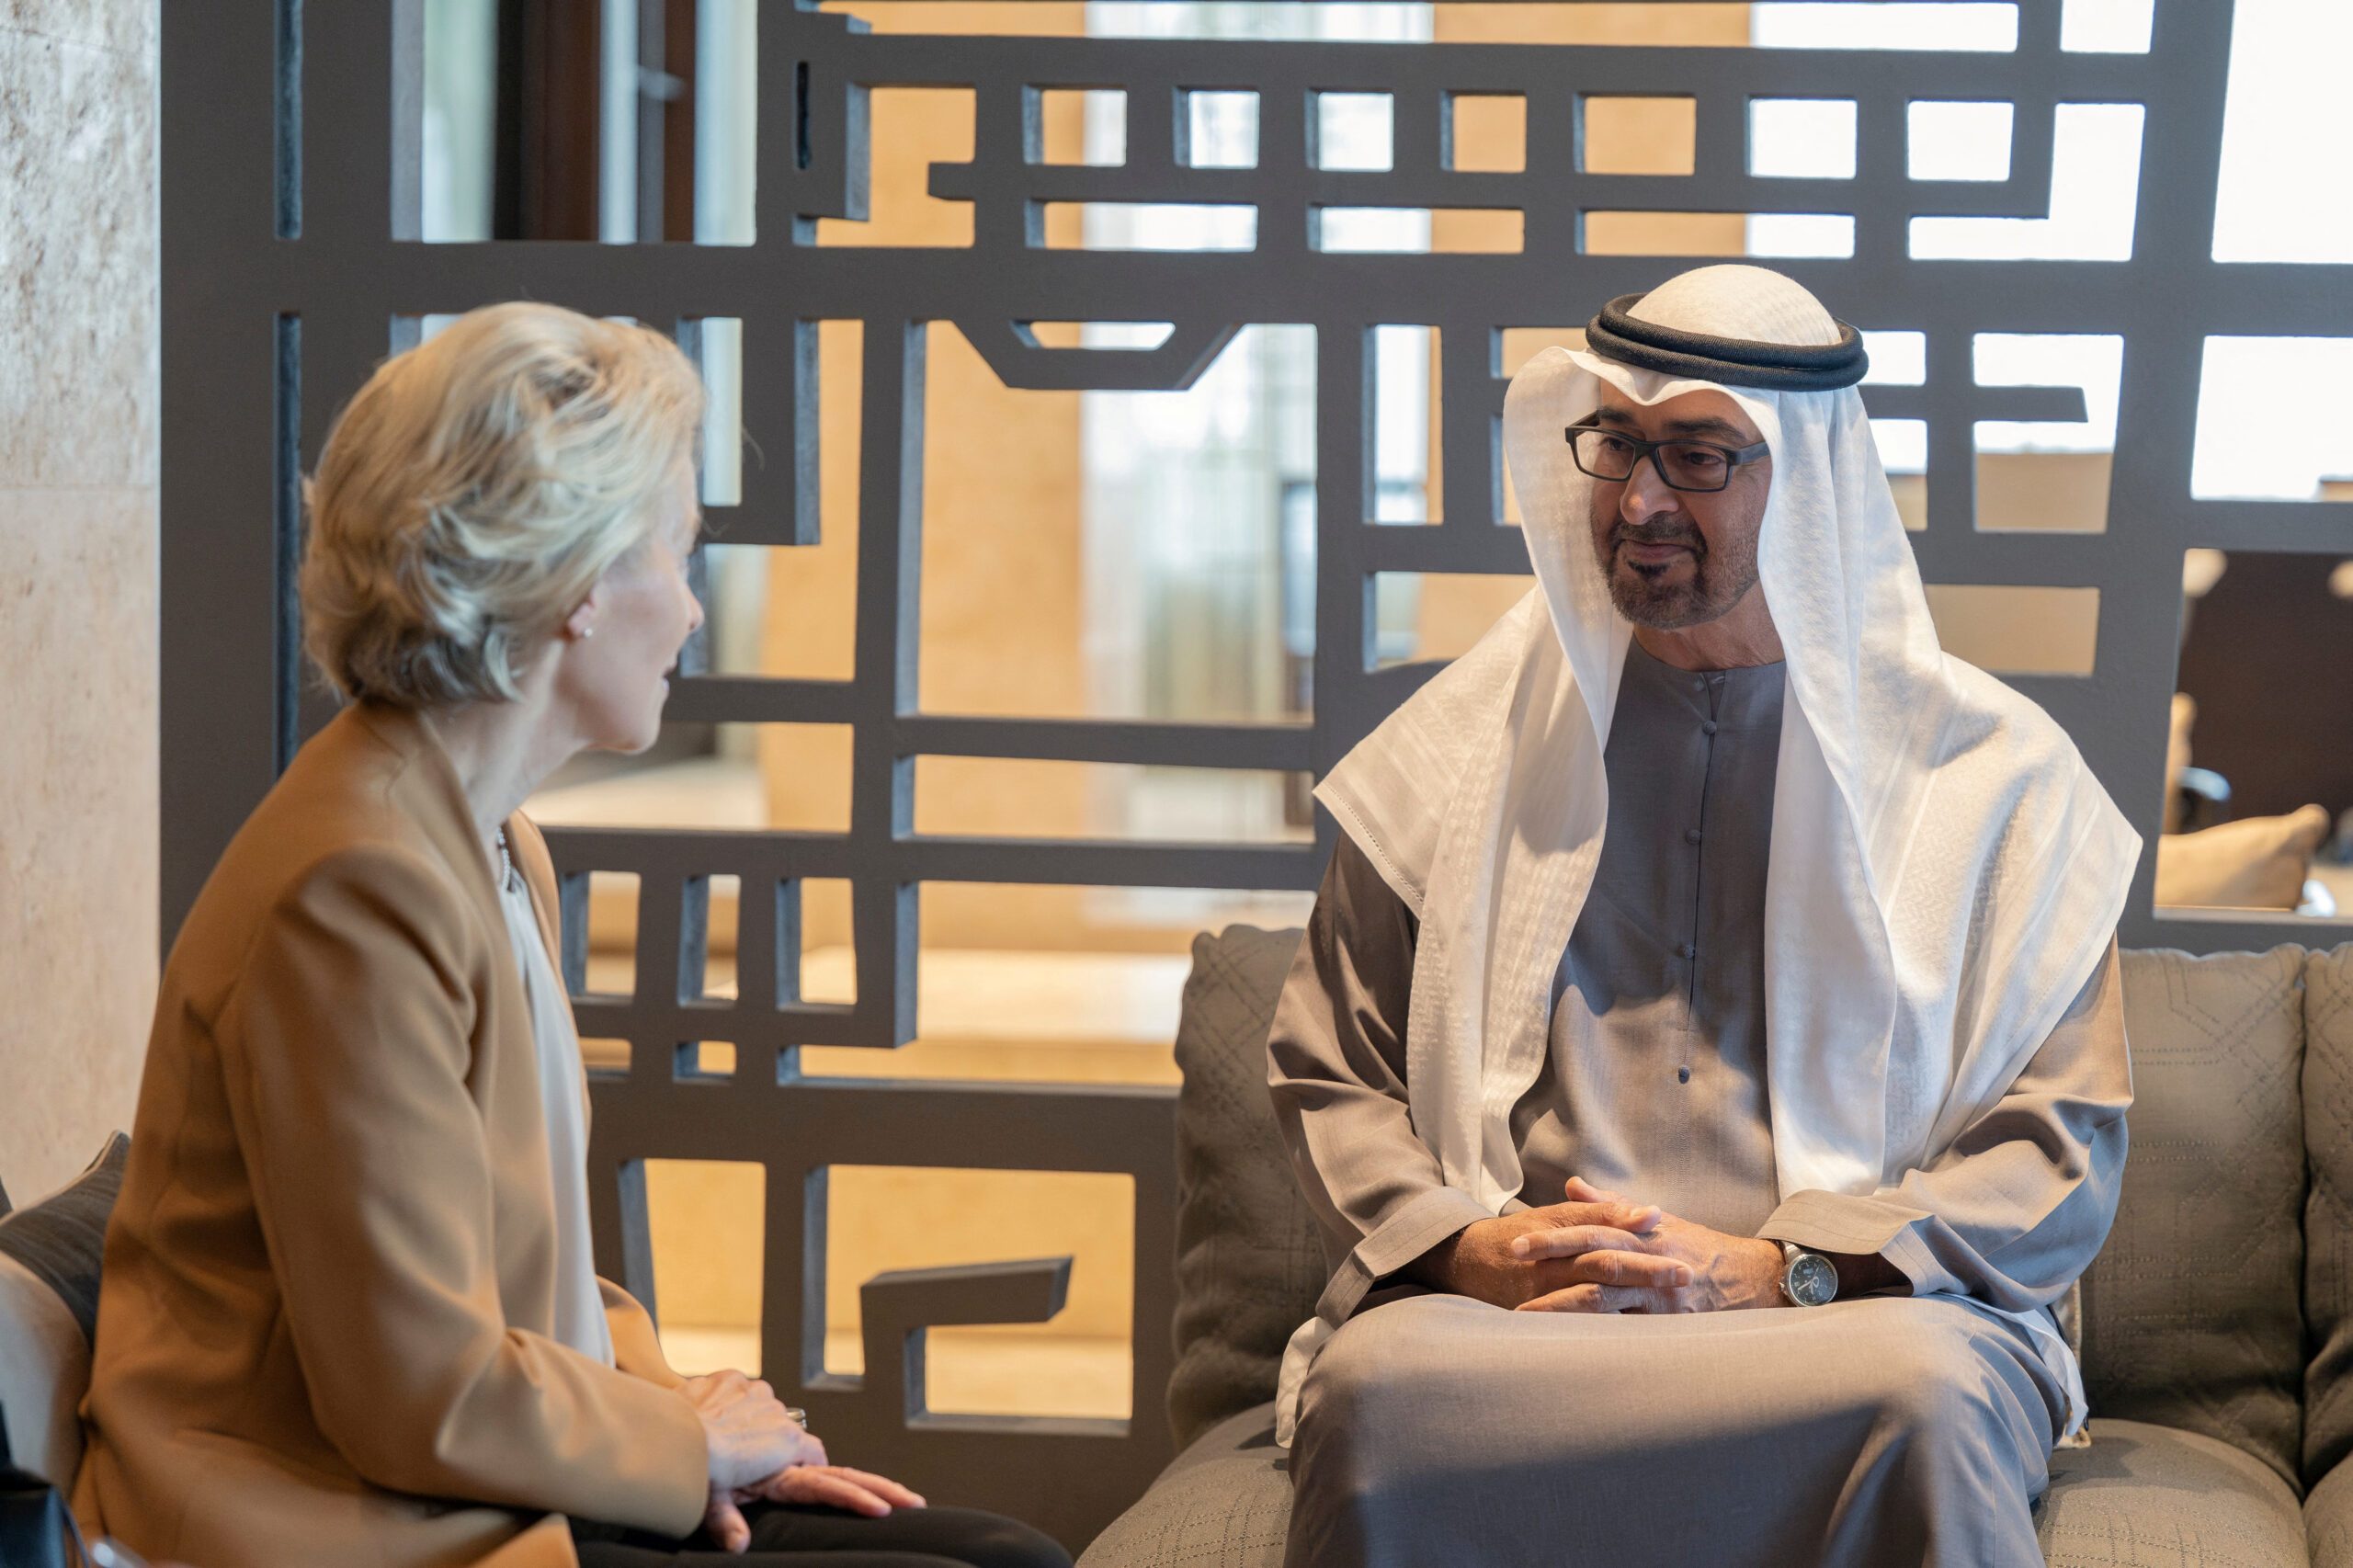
(1643, 595)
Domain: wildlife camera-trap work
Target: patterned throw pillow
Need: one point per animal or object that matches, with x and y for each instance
(1249, 1260)
(2212, 1344)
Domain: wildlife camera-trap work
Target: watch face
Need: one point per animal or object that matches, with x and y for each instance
(1813, 1281)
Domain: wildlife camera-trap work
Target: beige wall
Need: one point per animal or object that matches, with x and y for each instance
(77, 575)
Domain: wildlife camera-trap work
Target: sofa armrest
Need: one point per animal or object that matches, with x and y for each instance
(2329, 1519)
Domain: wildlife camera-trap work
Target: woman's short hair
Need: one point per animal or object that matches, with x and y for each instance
(474, 491)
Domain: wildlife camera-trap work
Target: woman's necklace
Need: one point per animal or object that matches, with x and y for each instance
(505, 863)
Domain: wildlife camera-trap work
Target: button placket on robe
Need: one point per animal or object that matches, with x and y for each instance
(1713, 687)
(1692, 836)
(1631, 1013)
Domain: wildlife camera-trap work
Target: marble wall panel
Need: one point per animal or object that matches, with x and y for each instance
(125, 27)
(77, 261)
(77, 821)
(78, 785)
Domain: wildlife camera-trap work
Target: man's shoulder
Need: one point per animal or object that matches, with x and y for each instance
(1993, 724)
(2004, 783)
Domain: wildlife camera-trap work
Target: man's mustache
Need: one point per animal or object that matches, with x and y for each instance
(1658, 531)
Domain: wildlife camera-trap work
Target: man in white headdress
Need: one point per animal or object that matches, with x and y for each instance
(1706, 1057)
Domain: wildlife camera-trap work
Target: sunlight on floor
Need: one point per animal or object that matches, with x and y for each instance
(973, 1370)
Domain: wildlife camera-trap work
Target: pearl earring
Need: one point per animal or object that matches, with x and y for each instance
(586, 633)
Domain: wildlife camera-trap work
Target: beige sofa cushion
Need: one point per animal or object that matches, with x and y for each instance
(2146, 1496)
(1225, 1503)
(2191, 1313)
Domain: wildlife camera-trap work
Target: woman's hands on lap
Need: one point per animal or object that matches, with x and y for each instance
(749, 1439)
(758, 1453)
(835, 1486)
(748, 1433)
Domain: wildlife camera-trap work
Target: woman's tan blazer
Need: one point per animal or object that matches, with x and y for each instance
(323, 1329)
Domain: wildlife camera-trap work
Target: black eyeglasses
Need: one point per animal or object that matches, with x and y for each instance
(1683, 465)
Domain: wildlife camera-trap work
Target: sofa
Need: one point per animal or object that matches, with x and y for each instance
(2217, 1322)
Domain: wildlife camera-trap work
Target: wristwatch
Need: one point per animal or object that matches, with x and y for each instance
(1808, 1279)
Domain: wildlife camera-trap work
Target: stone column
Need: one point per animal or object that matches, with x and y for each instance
(78, 272)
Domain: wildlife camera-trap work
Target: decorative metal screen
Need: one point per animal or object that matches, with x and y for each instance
(291, 261)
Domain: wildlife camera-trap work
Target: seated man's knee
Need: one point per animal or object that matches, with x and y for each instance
(1368, 1413)
(1366, 1374)
(1932, 1388)
(1357, 1443)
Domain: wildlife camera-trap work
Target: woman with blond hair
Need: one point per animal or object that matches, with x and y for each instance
(349, 1314)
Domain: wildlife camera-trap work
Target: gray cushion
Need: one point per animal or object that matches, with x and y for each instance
(2328, 1211)
(2191, 1313)
(61, 1239)
(1225, 1503)
(1249, 1262)
(2140, 1496)
(2145, 1496)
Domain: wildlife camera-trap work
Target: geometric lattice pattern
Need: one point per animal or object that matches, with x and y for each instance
(289, 256)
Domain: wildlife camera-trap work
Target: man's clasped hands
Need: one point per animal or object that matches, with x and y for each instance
(1601, 1252)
